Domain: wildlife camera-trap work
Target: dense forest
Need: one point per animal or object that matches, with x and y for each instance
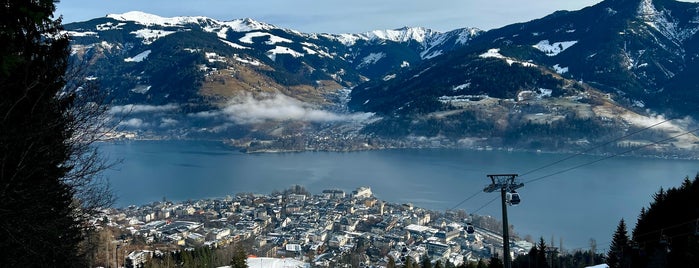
(666, 232)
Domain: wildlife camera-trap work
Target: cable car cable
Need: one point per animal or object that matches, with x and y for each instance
(611, 156)
(464, 201)
(595, 147)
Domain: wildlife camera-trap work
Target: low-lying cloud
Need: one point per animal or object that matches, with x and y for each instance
(133, 123)
(140, 108)
(246, 110)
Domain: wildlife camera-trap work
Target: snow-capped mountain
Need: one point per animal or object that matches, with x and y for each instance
(560, 82)
(135, 43)
(559, 75)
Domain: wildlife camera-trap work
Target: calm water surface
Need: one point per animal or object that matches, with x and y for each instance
(583, 203)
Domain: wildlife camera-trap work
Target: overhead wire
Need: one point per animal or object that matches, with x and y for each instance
(578, 154)
(595, 147)
(610, 156)
(465, 200)
(486, 204)
(584, 164)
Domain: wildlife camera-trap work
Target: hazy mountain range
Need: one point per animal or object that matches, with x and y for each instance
(567, 81)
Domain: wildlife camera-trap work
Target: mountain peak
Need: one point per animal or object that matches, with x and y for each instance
(148, 19)
(404, 34)
(248, 24)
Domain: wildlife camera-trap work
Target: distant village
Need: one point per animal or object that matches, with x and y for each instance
(319, 230)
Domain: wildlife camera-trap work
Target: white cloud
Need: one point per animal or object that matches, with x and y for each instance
(168, 122)
(247, 110)
(133, 123)
(138, 108)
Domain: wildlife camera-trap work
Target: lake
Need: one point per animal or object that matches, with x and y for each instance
(578, 205)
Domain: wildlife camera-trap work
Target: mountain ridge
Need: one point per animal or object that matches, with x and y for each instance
(553, 76)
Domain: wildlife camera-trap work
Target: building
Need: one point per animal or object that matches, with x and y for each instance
(362, 192)
(333, 194)
(138, 258)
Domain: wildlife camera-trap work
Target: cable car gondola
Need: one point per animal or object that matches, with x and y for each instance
(469, 228)
(513, 198)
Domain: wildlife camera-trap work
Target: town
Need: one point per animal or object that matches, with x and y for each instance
(330, 229)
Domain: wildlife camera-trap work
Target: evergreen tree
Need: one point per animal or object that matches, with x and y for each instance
(665, 232)
(426, 261)
(408, 262)
(619, 251)
(240, 258)
(45, 183)
(541, 261)
(495, 262)
(391, 262)
(481, 264)
(438, 264)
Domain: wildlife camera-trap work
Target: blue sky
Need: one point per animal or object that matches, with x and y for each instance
(332, 16)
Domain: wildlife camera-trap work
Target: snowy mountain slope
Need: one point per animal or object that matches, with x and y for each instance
(556, 83)
(560, 74)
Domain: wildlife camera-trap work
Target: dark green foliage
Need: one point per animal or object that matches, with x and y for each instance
(481, 264)
(619, 254)
(410, 263)
(38, 227)
(239, 257)
(438, 264)
(391, 262)
(426, 261)
(495, 262)
(665, 234)
(540, 257)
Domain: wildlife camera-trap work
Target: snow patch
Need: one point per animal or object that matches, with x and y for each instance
(309, 51)
(141, 89)
(432, 55)
(109, 26)
(389, 77)
(555, 48)
(213, 57)
(559, 69)
(663, 23)
(79, 34)
(234, 45)
(492, 53)
(495, 53)
(462, 86)
(222, 33)
(541, 93)
(272, 53)
(138, 58)
(251, 62)
(466, 35)
(372, 58)
(149, 35)
(405, 64)
(273, 39)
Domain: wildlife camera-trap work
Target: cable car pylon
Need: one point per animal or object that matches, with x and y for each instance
(507, 186)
